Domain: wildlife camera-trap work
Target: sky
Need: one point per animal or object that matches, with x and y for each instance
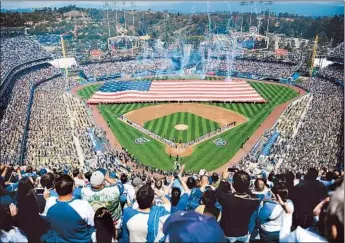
(310, 8)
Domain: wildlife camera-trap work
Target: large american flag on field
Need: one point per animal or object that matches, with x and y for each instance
(175, 90)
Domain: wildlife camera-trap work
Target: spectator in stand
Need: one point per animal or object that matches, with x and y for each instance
(239, 210)
(28, 209)
(47, 183)
(215, 180)
(260, 189)
(192, 227)
(8, 230)
(105, 230)
(310, 234)
(5, 197)
(79, 182)
(100, 195)
(71, 220)
(178, 199)
(196, 193)
(208, 205)
(145, 224)
(329, 215)
(334, 219)
(273, 214)
(128, 189)
(307, 194)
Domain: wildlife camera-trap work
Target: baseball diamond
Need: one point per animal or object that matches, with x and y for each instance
(165, 126)
(172, 121)
(206, 154)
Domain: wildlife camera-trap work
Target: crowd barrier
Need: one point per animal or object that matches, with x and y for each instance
(28, 114)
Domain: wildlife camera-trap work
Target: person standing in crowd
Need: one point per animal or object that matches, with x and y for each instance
(329, 215)
(145, 224)
(334, 219)
(5, 197)
(105, 230)
(47, 183)
(8, 230)
(129, 190)
(239, 209)
(208, 205)
(307, 194)
(28, 209)
(71, 220)
(260, 189)
(100, 195)
(273, 213)
(79, 182)
(196, 193)
(178, 199)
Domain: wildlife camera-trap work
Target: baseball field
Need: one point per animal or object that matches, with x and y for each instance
(165, 121)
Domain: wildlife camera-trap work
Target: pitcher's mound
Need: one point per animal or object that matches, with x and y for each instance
(181, 127)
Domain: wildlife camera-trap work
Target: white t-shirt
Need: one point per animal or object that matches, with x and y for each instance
(14, 235)
(79, 182)
(138, 226)
(82, 207)
(129, 191)
(303, 235)
(278, 219)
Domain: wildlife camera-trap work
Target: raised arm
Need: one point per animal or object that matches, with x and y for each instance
(167, 189)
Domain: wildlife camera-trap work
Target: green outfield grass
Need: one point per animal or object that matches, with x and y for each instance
(205, 155)
(88, 91)
(165, 126)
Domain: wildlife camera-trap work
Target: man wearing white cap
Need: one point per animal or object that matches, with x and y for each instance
(100, 195)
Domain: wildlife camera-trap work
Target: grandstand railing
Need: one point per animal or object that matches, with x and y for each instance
(28, 114)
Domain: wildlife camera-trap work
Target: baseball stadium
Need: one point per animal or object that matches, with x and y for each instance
(201, 121)
(203, 133)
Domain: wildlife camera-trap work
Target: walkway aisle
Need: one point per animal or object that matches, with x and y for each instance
(75, 138)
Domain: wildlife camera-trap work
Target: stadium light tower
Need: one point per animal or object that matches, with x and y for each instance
(64, 54)
(313, 56)
(268, 20)
(106, 6)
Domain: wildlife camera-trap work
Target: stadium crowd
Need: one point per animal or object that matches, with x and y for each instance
(128, 67)
(333, 72)
(320, 128)
(266, 69)
(314, 121)
(337, 52)
(50, 137)
(115, 200)
(106, 205)
(58, 197)
(18, 50)
(14, 117)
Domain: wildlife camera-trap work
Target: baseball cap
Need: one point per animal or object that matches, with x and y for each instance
(97, 178)
(136, 182)
(192, 227)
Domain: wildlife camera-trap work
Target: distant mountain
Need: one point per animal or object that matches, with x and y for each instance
(314, 9)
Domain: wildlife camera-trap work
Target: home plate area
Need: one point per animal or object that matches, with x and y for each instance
(182, 126)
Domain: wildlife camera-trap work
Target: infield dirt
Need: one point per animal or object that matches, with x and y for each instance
(213, 113)
(210, 112)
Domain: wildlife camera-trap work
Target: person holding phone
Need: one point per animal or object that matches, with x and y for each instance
(239, 208)
(274, 213)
